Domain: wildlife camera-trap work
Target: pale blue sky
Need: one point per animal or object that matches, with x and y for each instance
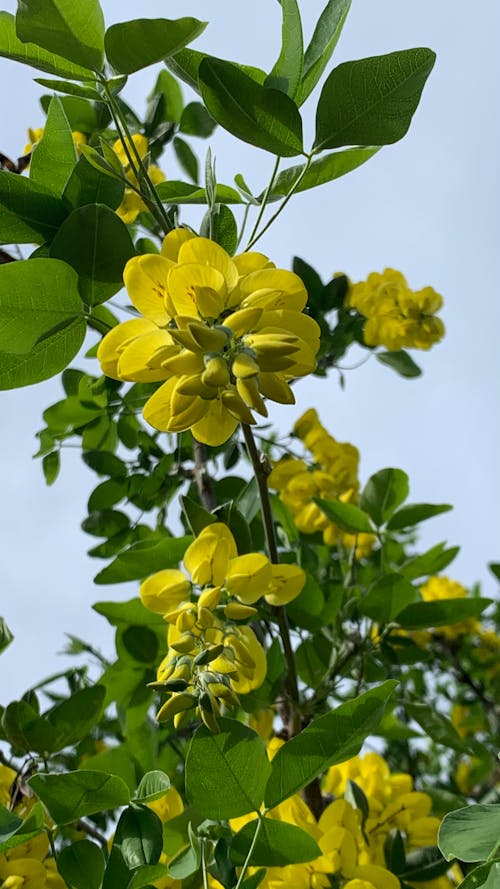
(428, 206)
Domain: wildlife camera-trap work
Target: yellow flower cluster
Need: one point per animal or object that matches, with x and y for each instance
(221, 332)
(26, 866)
(212, 655)
(396, 317)
(355, 854)
(334, 477)
(132, 203)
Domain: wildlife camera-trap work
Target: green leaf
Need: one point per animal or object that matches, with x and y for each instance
(152, 786)
(14, 831)
(82, 114)
(72, 30)
(81, 865)
(495, 569)
(186, 65)
(325, 169)
(139, 836)
(226, 774)
(436, 559)
(478, 878)
(36, 296)
(440, 613)
(73, 718)
(6, 636)
(196, 516)
(115, 761)
(326, 741)
(175, 192)
(383, 493)
(186, 862)
(74, 795)
(88, 185)
(220, 222)
(29, 212)
(69, 88)
(51, 465)
(131, 612)
(401, 362)
(263, 117)
(413, 513)
(437, 726)
(471, 833)
(54, 157)
(95, 241)
(371, 101)
(387, 597)
(145, 558)
(186, 158)
(168, 88)
(347, 516)
(49, 356)
(133, 45)
(31, 54)
(287, 72)
(278, 844)
(105, 463)
(322, 45)
(26, 730)
(196, 121)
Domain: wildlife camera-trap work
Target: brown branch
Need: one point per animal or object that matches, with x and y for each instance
(201, 476)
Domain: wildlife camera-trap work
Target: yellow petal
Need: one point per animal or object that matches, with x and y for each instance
(243, 321)
(186, 279)
(208, 556)
(173, 242)
(251, 262)
(136, 358)
(165, 590)
(145, 278)
(286, 584)
(248, 390)
(273, 289)
(208, 253)
(110, 347)
(248, 577)
(130, 207)
(216, 426)
(273, 386)
(244, 684)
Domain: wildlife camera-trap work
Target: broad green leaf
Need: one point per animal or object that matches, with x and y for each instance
(115, 761)
(383, 493)
(371, 101)
(152, 786)
(73, 718)
(97, 244)
(54, 156)
(48, 357)
(87, 185)
(31, 54)
(140, 560)
(27, 730)
(29, 212)
(413, 513)
(131, 612)
(278, 844)
(437, 726)
(436, 559)
(322, 45)
(69, 414)
(175, 192)
(325, 169)
(470, 834)
(81, 865)
(36, 297)
(196, 121)
(145, 876)
(142, 42)
(401, 362)
(6, 636)
(9, 823)
(226, 774)
(139, 836)
(69, 89)
(387, 597)
(478, 878)
(74, 795)
(440, 613)
(287, 72)
(306, 608)
(195, 515)
(347, 516)
(263, 117)
(326, 741)
(82, 114)
(72, 30)
(186, 64)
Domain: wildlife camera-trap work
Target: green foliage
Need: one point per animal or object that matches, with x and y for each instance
(21, 50)
(133, 45)
(278, 844)
(81, 865)
(73, 31)
(76, 794)
(471, 833)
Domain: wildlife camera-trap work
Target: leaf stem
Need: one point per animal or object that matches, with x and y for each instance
(263, 204)
(250, 853)
(201, 476)
(254, 238)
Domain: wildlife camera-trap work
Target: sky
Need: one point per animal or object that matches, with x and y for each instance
(428, 206)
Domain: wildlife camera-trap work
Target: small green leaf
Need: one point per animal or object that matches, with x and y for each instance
(414, 513)
(278, 844)
(82, 114)
(175, 192)
(51, 465)
(74, 795)
(322, 45)
(139, 836)
(169, 89)
(32, 54)
(54, 157)
(220, 224)
(325, 169)
(371, 101)
(470, 834)
(152, 786)
(479, 877)
(74, 717)
(401, 362)
(287, 72)
(440, 613)
(436, 559)
(328, 740)
(186, 66)
(437, 726)
(37, 296)
(186, 862)
(69, 89)
(383, 493)
(131, 612)
(226, 774)
(26, 730)
(196, 121)
(81, 865)
(133, 45)
(142, 559)
(14, 831)
(387, 597)
(97, 244)
(263, 117)
(88, 185)
(74, 31)
(6, 636)
(347, 516)
(29, 212)
(47, 357)
(195, 515)
(186, 158)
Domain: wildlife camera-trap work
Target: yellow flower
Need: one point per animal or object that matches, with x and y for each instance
(396, 317)
(222, 333)
(132, 203)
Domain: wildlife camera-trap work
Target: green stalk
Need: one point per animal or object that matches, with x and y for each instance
(254, 238)
(250, 853)
(263, 203)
